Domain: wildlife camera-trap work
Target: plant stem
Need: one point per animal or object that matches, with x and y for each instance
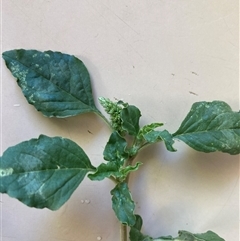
(123, 232)
(105, 119)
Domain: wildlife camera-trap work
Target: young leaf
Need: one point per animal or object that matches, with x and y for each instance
(126, 170)
(136, 235)
(115, 153)
(115, 150)
(130, 116)
(208, 236)
(56, 84)
(43, 172)
(211, 126)
(105, 170)
(123, 204)
(112, 169)
(164, 135)
(135, 231)
(147, 129)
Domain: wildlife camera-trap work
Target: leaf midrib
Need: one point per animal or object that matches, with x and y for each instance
(66, 169)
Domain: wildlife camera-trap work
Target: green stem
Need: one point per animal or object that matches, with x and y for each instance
(105, 119)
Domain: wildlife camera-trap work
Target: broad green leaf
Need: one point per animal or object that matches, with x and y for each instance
(115, 150)
(43, 172)
(56, 84)
(130, 116)
(123, 204)
(164, 135)
(210, 127)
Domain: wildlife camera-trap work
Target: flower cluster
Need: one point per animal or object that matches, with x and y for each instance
(114, 110)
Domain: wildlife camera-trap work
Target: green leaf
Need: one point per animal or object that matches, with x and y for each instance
(126, 170)
(105, 170)
(208, 236)
(135, 234)
(115, 153)
(139, 222)
(115, 150)
(210, 127)
(164, 135)
(56, 84)
(123, 204)
(113, 169)
(147, 129)
(130, 116)
(43, 172)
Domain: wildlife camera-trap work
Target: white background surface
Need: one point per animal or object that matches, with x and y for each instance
(160, 55)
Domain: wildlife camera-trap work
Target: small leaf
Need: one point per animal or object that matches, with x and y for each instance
(123, 204)
(56, 84)
(113, 169)
(208, 236)
(130, 116)
(115, 149)
(164, 135)
(147, 129)
(126, 170)
(136, 235)
(135, 231)
(105, 170)
(210, 127)
(139, 222)
(43, 172)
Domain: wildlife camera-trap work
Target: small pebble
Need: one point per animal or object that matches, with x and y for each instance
(99, 238)
(87, 201)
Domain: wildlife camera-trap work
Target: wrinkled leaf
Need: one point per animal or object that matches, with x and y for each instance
(123, 204)
(210, 127)
(43, 172)
(164, 135)
(147, 129)
(208, 236)
(112, 169)
(136, 235)
(115, 153)
(135, 231)
(130, 116)
(115, 149)
(105, 170)
(126, 170)
(56, 84)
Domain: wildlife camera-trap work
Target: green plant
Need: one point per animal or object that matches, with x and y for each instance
(44, 172)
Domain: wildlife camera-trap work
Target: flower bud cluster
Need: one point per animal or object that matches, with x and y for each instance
(114, 110)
